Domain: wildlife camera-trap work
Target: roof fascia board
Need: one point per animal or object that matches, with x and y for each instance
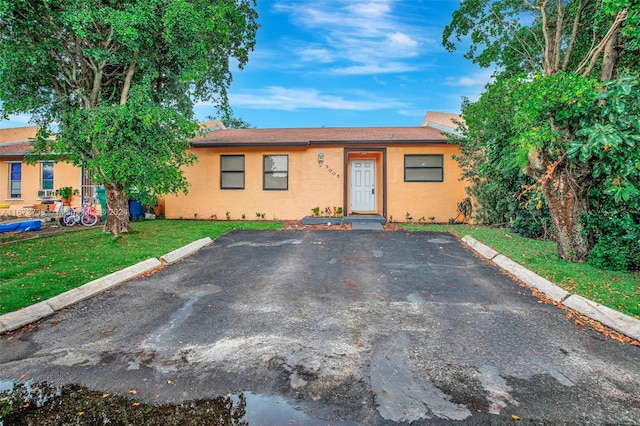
(314, 143)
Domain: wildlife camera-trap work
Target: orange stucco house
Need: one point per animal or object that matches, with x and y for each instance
(24, 187)
(285, 173)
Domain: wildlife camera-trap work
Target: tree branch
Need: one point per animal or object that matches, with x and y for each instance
(547, 38)
(574, 34)
(557, 45)
(592, 57)
(525, 46)
(127, 80)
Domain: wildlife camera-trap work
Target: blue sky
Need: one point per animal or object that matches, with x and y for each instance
(354, 63)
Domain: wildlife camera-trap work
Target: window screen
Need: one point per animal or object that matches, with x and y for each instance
(15, 180)
(276, 172)
(423, 168)
(232, 171)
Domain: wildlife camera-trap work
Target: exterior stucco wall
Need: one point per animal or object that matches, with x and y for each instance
(313, 185)
(13, 134)
(424, 199)
(309, 185)
(64, 174)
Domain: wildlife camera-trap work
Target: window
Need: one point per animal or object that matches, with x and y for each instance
(232, 172)
(47, 176)
(423, 168)
(15, 180)
(276, 172)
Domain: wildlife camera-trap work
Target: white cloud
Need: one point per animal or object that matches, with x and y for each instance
(315, 55)
(358, 35)
(402, 41)
(393, 67)
(480, 78)
(282, 98)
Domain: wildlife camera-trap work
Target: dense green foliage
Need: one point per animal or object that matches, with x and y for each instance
(497, 181)
(115, 82)
(550, 134)
(610, 145)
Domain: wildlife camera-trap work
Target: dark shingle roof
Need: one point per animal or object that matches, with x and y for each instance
(320, 136)
(12, 149)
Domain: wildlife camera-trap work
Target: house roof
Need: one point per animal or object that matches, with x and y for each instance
(12, 149)
(443, 121)
(320, 136)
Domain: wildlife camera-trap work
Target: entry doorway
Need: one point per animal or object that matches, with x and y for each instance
(363, 185)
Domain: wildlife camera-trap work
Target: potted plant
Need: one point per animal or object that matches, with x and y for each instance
(65, 194)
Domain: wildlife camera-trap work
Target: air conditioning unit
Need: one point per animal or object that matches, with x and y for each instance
(45, 193)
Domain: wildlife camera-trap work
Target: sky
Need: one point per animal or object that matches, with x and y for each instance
(348, 63)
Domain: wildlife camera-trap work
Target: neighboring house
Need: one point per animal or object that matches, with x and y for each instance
(394, 172)
(443, 121)
(23, 186)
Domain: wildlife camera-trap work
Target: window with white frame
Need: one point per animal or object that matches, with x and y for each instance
(423, 168)
(46, 175)
(232, 172)
(15, 180)
(276, 172)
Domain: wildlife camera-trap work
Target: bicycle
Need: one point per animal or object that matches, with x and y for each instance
(86, 216)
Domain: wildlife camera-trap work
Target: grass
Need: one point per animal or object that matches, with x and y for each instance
(37, 269)
(615, 289)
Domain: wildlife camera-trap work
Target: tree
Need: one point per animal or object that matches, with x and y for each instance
(565, 43)
(115, 82)
(495, 174)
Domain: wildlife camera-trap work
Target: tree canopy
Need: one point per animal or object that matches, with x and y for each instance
(116, 81)
(538, 121)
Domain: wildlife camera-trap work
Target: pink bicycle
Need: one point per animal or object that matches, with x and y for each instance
(86, 216)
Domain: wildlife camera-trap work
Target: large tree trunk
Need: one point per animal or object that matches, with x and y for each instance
(566, 192)
(117, 210)
(567, 203)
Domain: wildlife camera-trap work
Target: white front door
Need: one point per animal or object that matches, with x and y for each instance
(363, 182)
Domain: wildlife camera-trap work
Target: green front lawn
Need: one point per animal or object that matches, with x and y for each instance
(37, 269)
(617, 290)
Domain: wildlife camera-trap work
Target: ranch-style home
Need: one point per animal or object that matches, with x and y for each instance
(397, 173)
(393, 172)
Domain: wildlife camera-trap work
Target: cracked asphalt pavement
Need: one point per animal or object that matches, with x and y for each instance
(347, 326)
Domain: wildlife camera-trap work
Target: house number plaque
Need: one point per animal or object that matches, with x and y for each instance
(333, 172)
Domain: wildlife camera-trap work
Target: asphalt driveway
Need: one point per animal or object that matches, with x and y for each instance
(346, 326)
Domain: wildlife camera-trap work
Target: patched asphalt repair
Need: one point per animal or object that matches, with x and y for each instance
(358, 327)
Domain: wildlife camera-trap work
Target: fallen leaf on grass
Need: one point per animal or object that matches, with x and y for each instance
(133, 391)
(514, 417)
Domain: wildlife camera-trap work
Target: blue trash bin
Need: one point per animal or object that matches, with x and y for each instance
(135, 210)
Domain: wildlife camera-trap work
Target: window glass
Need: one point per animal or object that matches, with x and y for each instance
(276, 172)
(47, 176)
(423, 168)
(15, 180)
(232, 171)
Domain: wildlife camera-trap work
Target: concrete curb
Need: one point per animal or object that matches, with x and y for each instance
(19, 318)
(101, 284)
(625, 324)
(629, 326)
(185, 251)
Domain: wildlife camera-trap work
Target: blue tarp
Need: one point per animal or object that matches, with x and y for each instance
(28, 225)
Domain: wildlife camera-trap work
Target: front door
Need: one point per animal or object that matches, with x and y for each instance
(363, 182)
